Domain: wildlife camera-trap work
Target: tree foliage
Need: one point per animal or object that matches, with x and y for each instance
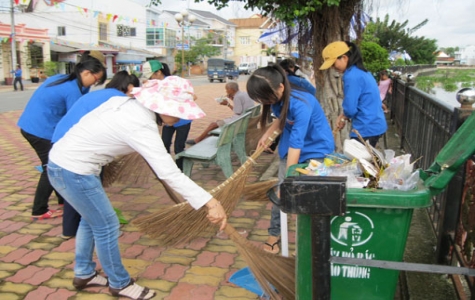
(395, 36)
(202, 48)
(375, 57)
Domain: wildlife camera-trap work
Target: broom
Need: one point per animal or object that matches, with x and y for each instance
(181, 223)
(275, 273)
(133, 168)
(258, 191)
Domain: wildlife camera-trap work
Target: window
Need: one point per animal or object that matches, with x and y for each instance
(102, 31)
(245, 40)
(123, 30)
(161, 37)
(61, 31)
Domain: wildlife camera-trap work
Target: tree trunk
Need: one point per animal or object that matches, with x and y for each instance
(330, 24)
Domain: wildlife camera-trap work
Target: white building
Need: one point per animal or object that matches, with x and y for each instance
(123, 30)
(126, 32)
(466, 55)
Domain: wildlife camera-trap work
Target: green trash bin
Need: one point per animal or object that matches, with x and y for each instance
(376, 225)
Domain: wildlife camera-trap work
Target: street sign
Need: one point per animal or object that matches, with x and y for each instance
(185, 47)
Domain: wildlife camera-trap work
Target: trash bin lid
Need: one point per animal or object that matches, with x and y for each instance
(380, 198)
(455, 153)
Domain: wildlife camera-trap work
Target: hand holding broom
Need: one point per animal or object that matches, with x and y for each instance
(216, 213)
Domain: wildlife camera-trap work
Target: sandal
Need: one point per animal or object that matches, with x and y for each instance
(133, 291)
(94, 280)
(50, 214)
(272, 247)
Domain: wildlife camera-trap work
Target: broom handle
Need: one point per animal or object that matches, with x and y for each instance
(229, 230)
(249, 161)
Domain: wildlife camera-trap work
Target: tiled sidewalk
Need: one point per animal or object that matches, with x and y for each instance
(36, 264)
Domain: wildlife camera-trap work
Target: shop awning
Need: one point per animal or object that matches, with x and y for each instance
(132, 58)
(62, 49)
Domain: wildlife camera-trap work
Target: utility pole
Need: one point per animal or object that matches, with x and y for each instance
(225, 44)
(13, 67)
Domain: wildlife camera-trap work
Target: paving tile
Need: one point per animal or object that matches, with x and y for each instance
(32, 254)
(17, 288)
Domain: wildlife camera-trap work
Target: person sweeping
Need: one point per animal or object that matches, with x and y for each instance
(118, 127)
(306, 133)
(362, 103)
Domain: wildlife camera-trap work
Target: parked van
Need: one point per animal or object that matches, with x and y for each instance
(247, 68)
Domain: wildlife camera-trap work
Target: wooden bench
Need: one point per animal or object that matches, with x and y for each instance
(215, 149)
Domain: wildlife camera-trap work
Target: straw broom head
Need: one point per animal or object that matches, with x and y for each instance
(258, 191)
(275, 273)
(110, 172)
(254, 134)
(133, 168)
(181, 223)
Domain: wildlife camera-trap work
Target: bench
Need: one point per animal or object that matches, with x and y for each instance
(215, 149)
(255, 111)
(239, 141)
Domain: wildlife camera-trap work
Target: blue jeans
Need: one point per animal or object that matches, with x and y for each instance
(99, 224)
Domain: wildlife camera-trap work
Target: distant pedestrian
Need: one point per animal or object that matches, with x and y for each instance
(385, 88)
(17, 73)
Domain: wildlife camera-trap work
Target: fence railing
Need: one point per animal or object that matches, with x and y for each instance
(424, 125)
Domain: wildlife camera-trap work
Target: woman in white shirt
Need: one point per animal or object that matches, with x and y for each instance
(118, 127)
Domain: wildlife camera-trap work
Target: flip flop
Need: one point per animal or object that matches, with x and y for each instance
(274, 248)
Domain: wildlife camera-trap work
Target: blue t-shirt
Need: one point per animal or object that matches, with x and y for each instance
(302, 83)
(18, 73)
(306, 127)
(84, 105)
(362, 103)
(180, 123)
(48, 105)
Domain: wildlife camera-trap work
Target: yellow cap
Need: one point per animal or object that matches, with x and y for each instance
(331, 52)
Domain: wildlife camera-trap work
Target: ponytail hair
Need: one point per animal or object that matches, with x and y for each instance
(354, 56)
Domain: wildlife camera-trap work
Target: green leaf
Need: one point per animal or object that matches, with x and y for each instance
(121, 217)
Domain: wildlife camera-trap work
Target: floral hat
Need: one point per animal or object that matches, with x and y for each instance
(172, 96)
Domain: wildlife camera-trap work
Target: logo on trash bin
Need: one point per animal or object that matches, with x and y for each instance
(354, 229)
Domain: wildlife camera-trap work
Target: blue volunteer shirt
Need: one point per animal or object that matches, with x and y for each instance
(306, 128)
(48, 105)
(362, 103)
(181, 122)
(84, 105)
(302, 83)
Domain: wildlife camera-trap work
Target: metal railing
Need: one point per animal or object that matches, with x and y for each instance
(425, 124)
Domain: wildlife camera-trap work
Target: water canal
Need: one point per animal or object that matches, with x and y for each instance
(445, 83)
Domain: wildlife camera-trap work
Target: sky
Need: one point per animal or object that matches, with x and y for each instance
(451, 22)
